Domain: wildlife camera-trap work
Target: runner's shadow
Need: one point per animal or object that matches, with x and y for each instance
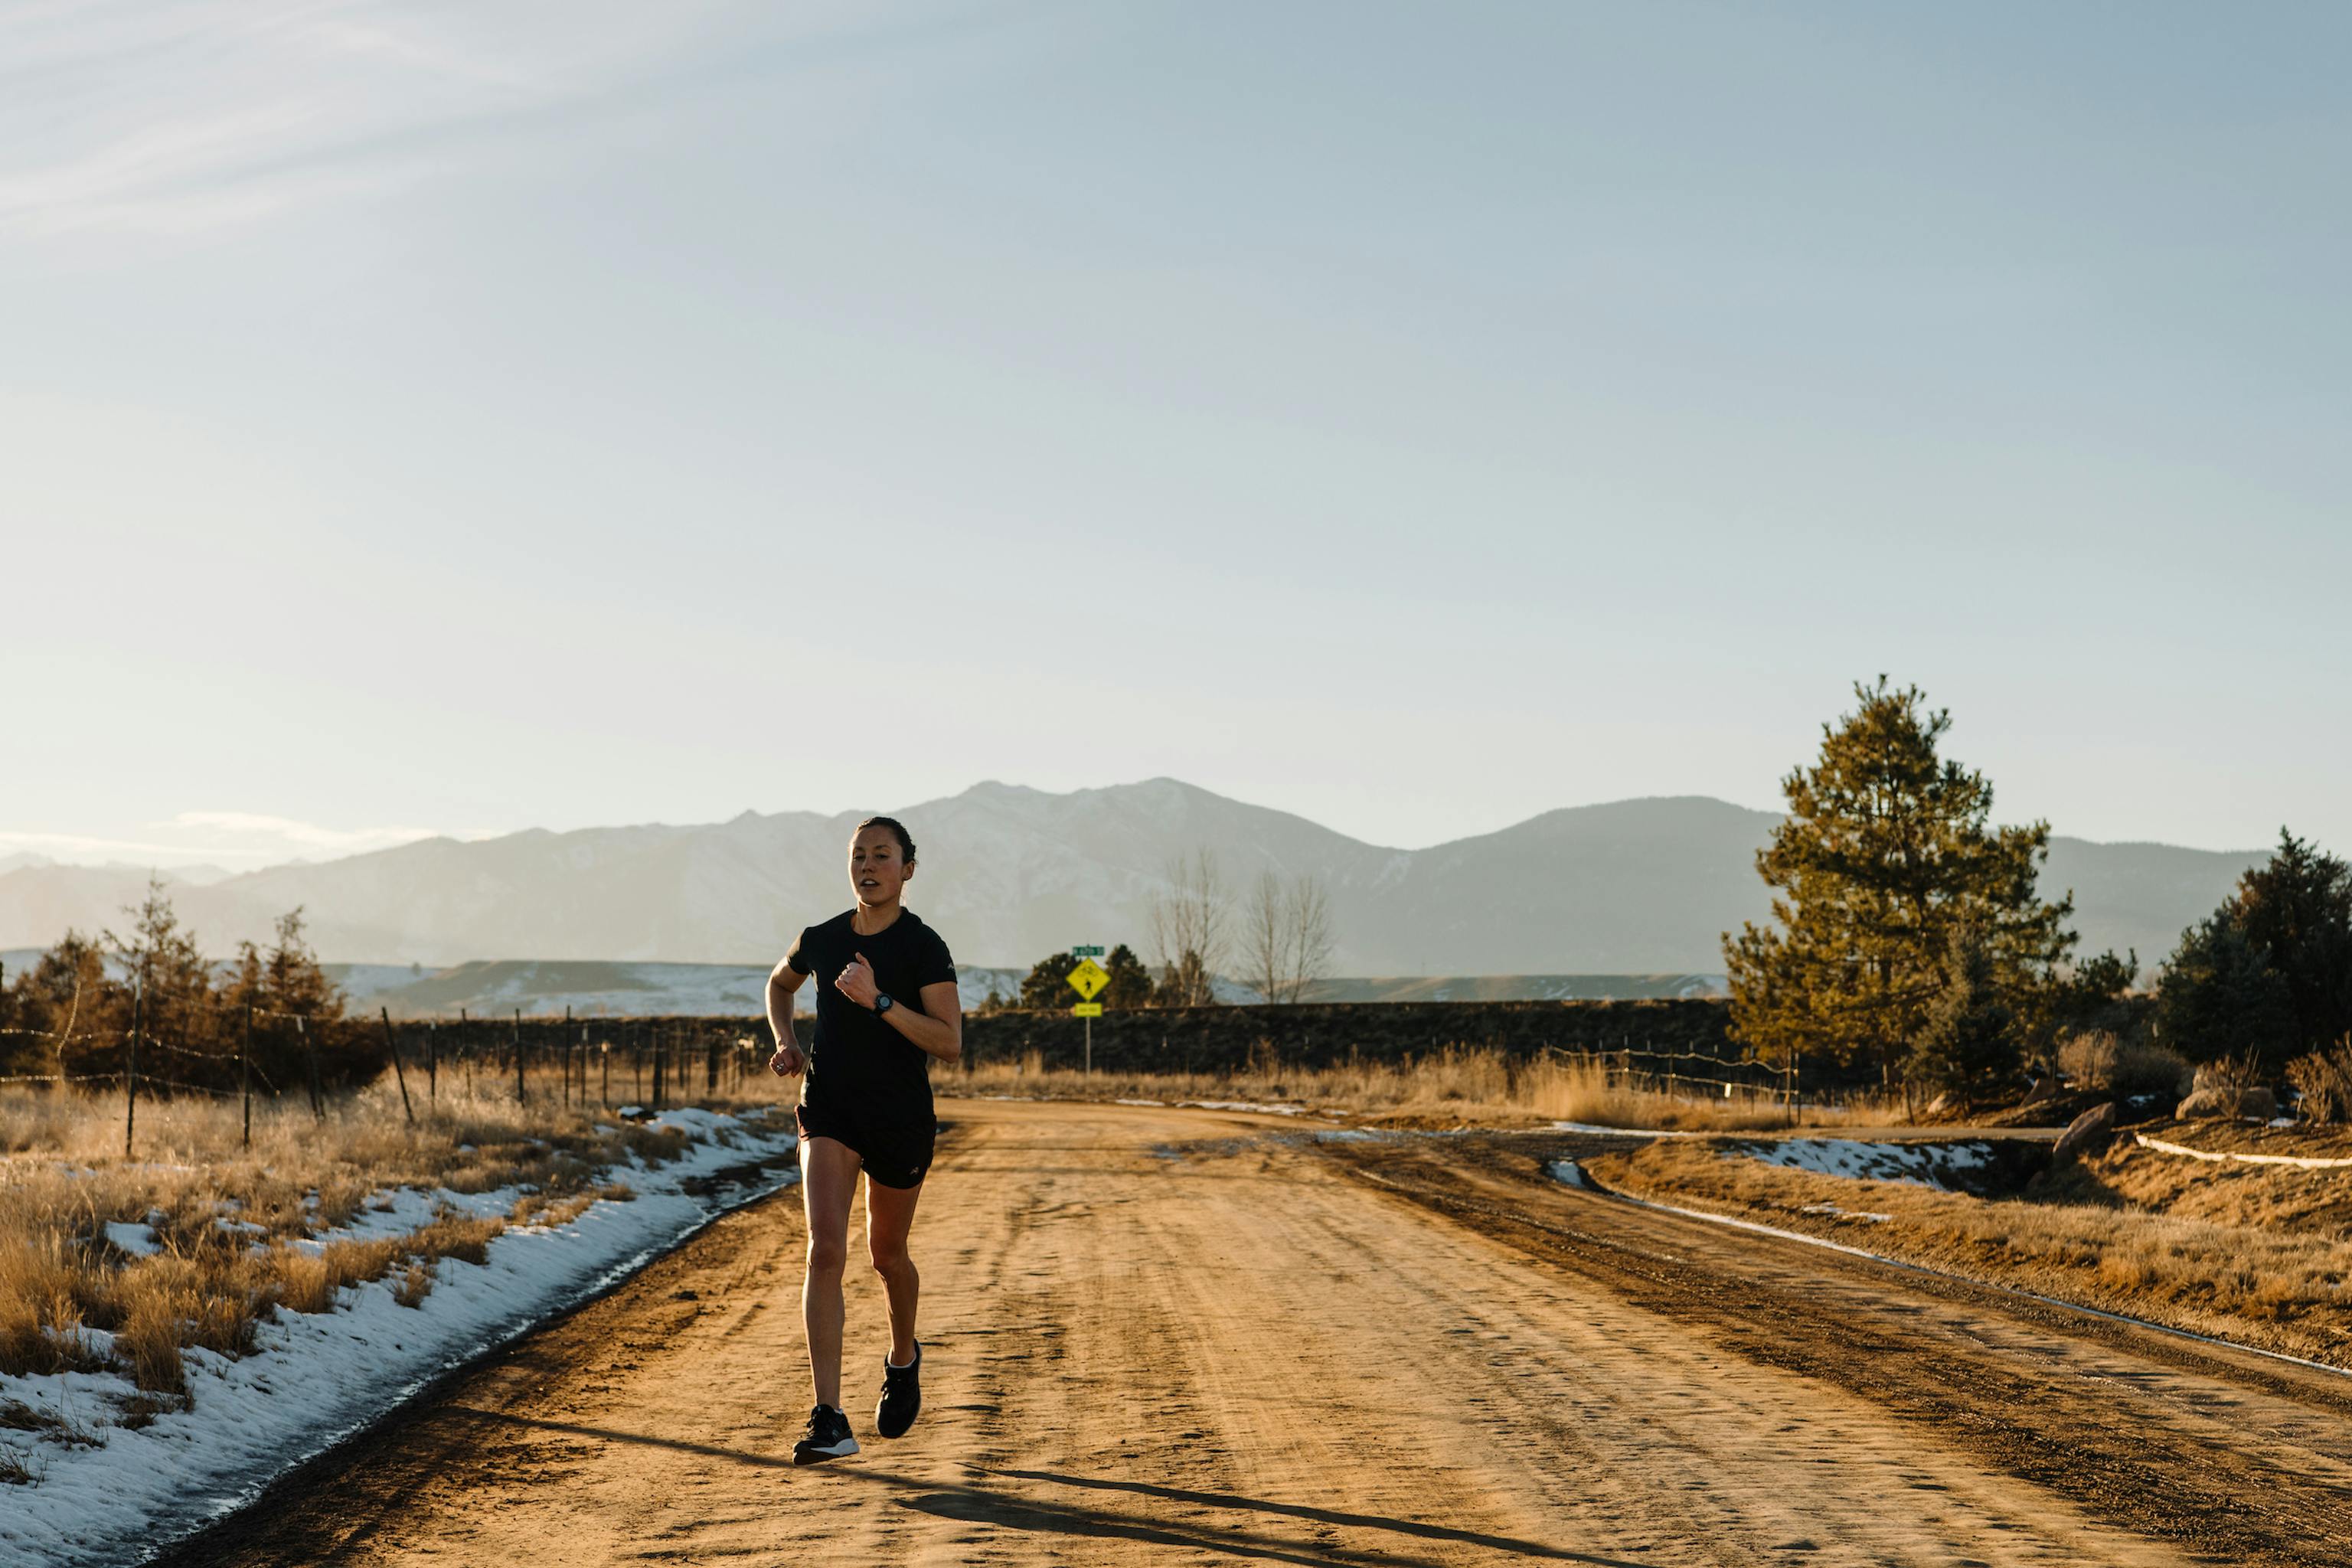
(1320, 1515)
(978, 1505)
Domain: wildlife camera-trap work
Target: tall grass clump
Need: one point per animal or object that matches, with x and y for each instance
(2322, 1081)
(2097, 1059)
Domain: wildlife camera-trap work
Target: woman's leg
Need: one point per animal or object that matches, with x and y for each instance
(889, 1215)
(828, 1182)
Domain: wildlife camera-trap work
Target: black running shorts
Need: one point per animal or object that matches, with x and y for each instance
(896, 1152)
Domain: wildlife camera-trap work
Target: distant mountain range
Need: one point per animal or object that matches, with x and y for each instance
(1009, 874)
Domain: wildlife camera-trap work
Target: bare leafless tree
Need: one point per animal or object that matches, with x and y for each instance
(1308, 940)
(1267, 935)
(1285, 935)
(1189, 922)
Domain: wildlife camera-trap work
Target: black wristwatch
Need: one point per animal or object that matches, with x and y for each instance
(882, 1003)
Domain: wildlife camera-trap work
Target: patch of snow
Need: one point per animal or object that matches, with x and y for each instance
(1138, 1102)
(1621, 1131)
(1921, 1165)
(1244, 1105)
(1568, 1173)
(316, 1378)
(1833, 1211)
(139, 1240)
(2298, 1161)
(1348, 1135)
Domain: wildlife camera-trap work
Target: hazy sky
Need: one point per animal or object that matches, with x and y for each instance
(485, 416)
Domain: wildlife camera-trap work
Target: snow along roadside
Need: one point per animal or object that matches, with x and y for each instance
(2228, 1157)
(317, 1378)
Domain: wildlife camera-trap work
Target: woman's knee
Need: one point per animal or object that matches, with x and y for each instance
(827, 1254)
(888, 1258)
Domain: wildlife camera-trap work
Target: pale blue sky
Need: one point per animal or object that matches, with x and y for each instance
(479, 416)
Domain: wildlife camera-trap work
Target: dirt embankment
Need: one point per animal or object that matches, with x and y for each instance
(1157, 1335)
(2253, 1253)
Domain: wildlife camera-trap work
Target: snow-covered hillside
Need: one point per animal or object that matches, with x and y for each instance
(1009, 874)
(545, 988)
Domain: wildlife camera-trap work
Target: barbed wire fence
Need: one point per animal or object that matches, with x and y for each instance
(1649, 1069)
(668, 1050)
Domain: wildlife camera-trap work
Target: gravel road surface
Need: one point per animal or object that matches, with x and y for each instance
(1180, 1336)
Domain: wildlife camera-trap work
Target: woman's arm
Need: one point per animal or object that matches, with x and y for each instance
(937, 1030)
(782, 981)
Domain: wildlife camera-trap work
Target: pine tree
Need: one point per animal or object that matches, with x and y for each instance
(2297, 910)
(1131, 982)
(2268, 974)
(1968, 1046)
(2218, 997)
(57, 1003)
(1047, 984)
(1886, 849)
(160, 958)
(1186, 983)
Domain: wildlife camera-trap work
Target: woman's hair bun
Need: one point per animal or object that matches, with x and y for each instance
(898, 830)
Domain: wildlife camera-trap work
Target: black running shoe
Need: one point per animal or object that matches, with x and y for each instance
(902, 1395)
(827, 1438)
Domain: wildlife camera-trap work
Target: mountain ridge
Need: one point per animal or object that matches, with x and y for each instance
(1009, 872)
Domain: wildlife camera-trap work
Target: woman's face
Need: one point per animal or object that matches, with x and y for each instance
(876, 871)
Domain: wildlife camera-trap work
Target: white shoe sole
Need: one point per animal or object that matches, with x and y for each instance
(811, 1453)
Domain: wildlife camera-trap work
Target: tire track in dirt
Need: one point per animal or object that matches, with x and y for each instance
(2236, 1458)
(1160, 1336)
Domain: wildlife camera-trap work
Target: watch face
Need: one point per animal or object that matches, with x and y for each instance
(882, 1003)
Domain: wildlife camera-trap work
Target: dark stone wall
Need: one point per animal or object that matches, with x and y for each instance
(1220, 1039)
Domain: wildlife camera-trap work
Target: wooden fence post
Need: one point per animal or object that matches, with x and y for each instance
(245, 1073)
(517, 1045)
(311, 1069)
(432, 1062)
(392, 1044)
(131, 1074)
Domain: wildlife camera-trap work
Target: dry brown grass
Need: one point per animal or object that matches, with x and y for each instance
(2097, 1059)
(415, 1285)
(1453, 1086)
(2261, 1255)
(2324, 1081)
(237, 1230)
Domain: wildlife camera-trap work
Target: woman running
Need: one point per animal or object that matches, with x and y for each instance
(886, 1002)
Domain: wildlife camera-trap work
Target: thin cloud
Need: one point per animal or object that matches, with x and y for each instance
(286, 832)
(226, 837)
(182, 116)
(75, 845)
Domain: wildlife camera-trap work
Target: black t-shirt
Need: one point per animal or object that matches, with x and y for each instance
(857, 1059)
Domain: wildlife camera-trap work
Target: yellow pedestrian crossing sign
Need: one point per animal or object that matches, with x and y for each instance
(1088, 978)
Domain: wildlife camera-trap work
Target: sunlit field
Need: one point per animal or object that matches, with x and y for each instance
(1452, 1086)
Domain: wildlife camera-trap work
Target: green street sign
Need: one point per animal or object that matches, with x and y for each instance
(1085, 952)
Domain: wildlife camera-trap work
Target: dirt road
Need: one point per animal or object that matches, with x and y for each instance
(1166, 1336)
